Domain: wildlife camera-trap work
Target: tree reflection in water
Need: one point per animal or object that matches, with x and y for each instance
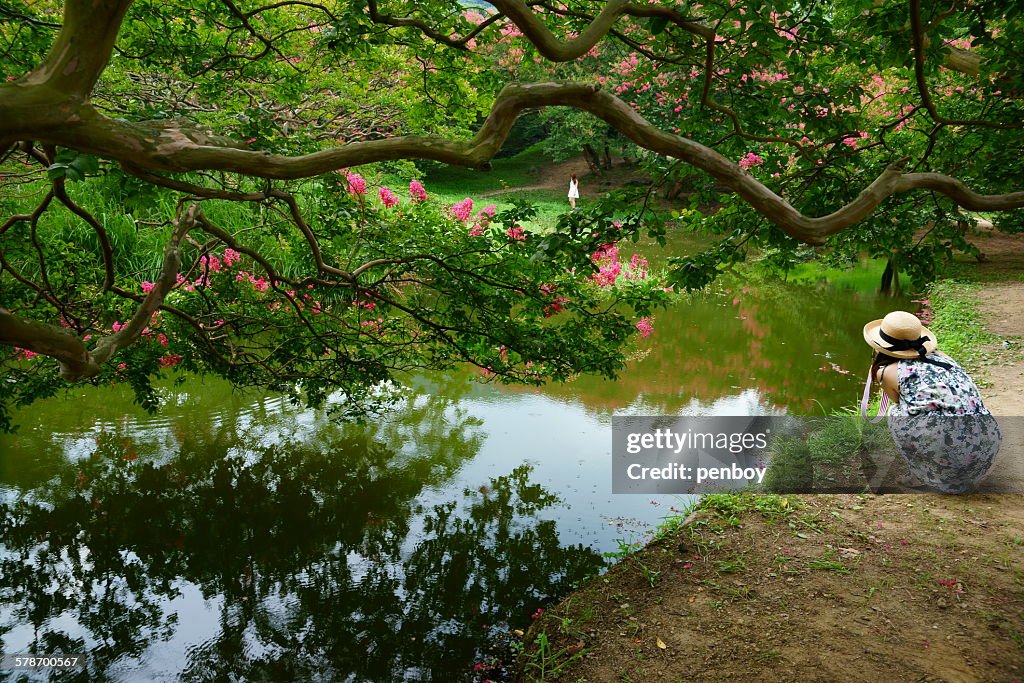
(326, 557)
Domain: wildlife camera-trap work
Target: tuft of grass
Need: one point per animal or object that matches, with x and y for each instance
(672, 523)
(730, 566)
(731, 506)
(957, 323)
(825, 563)
(829, 455)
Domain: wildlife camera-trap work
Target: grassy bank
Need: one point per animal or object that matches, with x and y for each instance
(958, 326)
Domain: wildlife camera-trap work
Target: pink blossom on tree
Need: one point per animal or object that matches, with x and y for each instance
(170, 360)
(750, 160)
(463, 210)
(388, 198)
(211, 262)
(356, 184)
(417, 191)
(644, 327)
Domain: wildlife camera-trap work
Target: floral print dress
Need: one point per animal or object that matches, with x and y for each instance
(943, 430)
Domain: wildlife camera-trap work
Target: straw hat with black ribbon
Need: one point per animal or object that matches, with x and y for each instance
(901, 335)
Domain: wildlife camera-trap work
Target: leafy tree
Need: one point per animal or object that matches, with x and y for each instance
(174, 137)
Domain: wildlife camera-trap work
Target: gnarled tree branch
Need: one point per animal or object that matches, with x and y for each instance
(175, 148)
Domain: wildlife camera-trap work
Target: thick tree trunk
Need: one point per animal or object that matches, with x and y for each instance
(890, 279)
(593, 161)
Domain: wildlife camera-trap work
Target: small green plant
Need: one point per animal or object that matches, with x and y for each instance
(829, 566)
(730, 566)
(650, 575)
(545, 663)
(826, 563)
(625, 549)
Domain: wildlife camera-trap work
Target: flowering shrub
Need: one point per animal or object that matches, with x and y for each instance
(388, 198)
(417, 191)
(356, 184)
(463, 210)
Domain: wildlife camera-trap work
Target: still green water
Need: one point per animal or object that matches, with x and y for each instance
(235, 537)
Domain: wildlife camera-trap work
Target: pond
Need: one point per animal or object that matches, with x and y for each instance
(236, 537)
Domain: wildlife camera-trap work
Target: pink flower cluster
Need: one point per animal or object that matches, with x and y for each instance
(637, 268)
(25, 354)
(417, 191)
(607, 260)
(925, 314)
(372, 326)
(483, 219)
(463, 210)
(750, 160)
(211, 263)
(516, 234)
(356, 184)
(260, 284)
(644, 327)
(170, 360)
(388, 198)
(853, 140)
(557, 304)
(231, 257)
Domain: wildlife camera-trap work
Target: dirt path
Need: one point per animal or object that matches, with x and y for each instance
(823, 588)
(552, 177)
(1002, 305)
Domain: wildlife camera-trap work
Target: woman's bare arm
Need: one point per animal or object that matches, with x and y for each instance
(888, 377)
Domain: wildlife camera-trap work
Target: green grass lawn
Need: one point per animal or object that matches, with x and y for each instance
(522, 170)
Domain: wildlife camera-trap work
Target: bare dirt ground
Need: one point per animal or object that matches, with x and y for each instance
(827, 588)
(821, 588)
(556, 177)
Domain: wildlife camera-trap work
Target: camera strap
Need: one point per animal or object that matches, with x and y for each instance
(883, 405)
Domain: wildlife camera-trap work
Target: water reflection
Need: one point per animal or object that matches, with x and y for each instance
(796, 348)
(312, 556)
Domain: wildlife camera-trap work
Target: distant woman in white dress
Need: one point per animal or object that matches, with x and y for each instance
(574, 190)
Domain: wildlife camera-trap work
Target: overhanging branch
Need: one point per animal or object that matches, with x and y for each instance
(174, 148)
